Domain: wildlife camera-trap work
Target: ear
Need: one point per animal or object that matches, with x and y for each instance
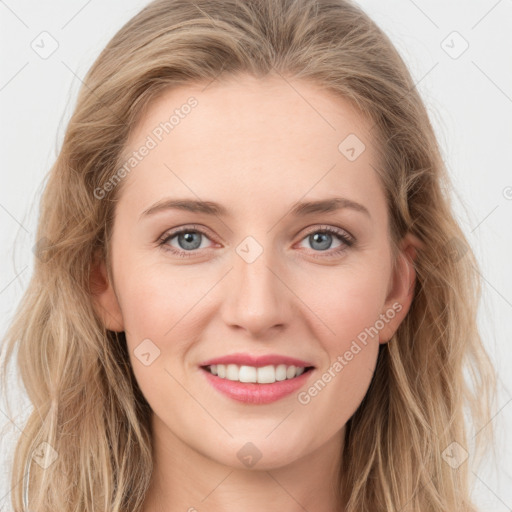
(104, 297)
(401, 287)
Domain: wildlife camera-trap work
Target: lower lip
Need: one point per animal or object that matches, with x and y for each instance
(253, 393)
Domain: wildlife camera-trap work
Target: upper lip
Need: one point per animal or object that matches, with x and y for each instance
(257, 360)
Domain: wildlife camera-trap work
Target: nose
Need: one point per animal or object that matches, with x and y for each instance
(256, 298)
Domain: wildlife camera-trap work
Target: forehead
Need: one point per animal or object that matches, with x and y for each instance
(246, 139)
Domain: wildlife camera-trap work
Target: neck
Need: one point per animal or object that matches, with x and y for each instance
(184, 479)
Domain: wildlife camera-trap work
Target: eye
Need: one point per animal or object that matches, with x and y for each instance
(321, 239)
(188, 240)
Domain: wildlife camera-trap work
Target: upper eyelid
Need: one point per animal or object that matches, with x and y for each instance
(173, 232)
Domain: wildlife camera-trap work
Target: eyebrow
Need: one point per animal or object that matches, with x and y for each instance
(299, 209)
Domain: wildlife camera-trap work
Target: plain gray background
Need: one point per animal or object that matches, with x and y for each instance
(468, 92)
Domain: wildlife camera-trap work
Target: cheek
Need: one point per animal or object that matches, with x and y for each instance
(340, 388)
(348, 301)
(155, 299)
(349, 307)
(161, 309)
(157, 332)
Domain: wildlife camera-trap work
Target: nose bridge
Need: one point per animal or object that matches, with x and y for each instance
(256, 298)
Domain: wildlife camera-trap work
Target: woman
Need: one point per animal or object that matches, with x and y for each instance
(250, 288)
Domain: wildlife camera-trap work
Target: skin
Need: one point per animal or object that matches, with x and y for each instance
(256, 146)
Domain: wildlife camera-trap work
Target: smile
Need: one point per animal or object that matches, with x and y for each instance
(262, 385)
(260, 375)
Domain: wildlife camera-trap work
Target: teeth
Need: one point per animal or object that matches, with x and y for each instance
(263, 375)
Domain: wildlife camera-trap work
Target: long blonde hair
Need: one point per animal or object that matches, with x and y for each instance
(90, 421)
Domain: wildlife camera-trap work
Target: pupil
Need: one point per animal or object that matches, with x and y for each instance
(317, 237)
(189, 240)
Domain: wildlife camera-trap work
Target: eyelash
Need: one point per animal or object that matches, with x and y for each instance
(346, 239)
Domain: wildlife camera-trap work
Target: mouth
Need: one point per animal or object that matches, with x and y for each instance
(268, 374)
(257, 385)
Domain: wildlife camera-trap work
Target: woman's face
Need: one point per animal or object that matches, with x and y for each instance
(284, 252)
